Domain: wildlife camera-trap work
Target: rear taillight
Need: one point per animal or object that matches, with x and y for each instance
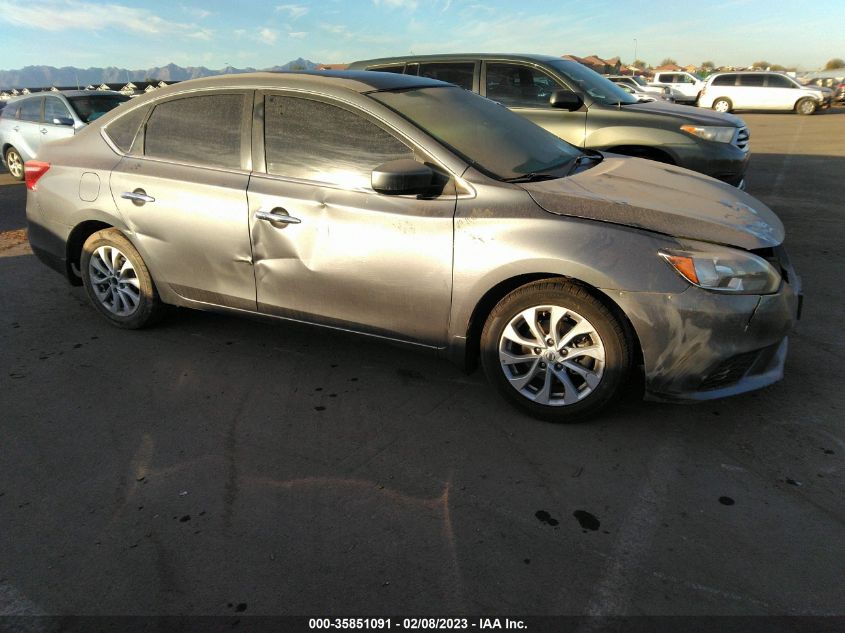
(33, 170)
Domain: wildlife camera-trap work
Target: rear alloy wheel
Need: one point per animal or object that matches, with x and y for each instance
(722, 105)
(555, 351)
(117, 281)
(14, 163)
(806, 106)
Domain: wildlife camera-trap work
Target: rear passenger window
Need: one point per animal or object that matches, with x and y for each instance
(724, 80)
(317, 141)
(458, 73)
(389, 69)
(202, 130)
(31, 110)
(122, 131)
(519, 86)
(752, 80)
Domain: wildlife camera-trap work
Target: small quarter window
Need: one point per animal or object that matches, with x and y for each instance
(754, 80)
(123, 130)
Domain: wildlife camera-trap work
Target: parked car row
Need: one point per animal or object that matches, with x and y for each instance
(26, 123)
(402, 207)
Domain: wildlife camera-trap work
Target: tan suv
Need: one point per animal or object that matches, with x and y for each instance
(599, 115)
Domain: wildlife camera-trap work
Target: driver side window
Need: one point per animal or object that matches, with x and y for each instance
(518, 86)
(313, 140)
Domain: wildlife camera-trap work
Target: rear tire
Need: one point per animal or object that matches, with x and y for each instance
(117, 281)
(723, 104)
(806, 106)
(14, 163)
(555, 351)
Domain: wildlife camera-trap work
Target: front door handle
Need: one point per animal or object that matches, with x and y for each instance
(43, 130)
(277, 214)
(138, 197)
(17, 128)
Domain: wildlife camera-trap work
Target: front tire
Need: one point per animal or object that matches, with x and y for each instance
(722, 105)
(806, 106)
(14, 163)
(117, 281)
(555, 351)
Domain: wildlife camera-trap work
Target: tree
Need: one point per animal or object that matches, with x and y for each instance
(638, 63)
(668, 62)
(707, 66)
(777, 67)
(762, 65)
(834, 63)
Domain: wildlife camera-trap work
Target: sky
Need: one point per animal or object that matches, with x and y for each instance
(138, 35)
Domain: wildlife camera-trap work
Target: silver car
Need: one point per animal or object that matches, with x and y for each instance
(409, 209)
(26, 123)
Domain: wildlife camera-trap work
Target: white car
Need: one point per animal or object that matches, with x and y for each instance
(683, 85)
(758, 90)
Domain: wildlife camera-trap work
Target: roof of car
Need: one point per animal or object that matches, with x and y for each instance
(359, 81)
(66, 93)
(456, 57)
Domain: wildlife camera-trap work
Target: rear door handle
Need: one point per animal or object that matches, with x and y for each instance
(278, 214)
(17, 128)
(43, 130)
(138, 197)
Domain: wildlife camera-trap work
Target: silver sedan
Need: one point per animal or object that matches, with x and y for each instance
(408, 209)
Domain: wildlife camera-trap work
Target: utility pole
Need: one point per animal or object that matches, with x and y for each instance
(635, 49)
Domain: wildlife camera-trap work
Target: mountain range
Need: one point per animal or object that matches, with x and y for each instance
(46, 76)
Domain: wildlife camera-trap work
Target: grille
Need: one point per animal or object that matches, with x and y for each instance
(742, 137)
(730, 371)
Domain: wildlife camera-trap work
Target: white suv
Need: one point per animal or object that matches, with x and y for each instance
(756, 90)
(683, 85)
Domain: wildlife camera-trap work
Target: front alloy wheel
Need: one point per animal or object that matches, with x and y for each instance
(551, 355)
(555, 350)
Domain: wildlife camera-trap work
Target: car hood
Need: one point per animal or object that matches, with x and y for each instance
(690, 114)
(662, 198)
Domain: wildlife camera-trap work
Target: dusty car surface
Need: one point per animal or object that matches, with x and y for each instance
(409, 209)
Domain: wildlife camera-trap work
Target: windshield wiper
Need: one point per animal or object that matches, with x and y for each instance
(532, 177)
(580, 159)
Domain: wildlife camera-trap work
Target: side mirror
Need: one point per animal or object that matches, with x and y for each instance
(565, 100)
(63, 120)
(402, 177)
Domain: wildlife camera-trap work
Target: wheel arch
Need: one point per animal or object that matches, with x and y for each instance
(75, 241)
(469, 356)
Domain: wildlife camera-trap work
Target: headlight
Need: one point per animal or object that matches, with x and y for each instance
(739, 272)
(711, 132)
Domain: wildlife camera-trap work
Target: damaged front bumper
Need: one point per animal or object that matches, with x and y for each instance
(702, 345)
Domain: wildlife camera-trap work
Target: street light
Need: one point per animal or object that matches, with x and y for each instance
(635, 50)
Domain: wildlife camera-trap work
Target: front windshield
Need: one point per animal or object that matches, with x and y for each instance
(590, 82)
(639, 80)
(486, 134)
(92, 107)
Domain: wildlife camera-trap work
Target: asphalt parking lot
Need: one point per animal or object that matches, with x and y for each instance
(216, 465)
